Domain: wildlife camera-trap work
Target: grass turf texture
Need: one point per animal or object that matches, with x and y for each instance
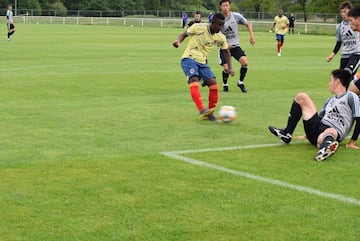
(87, 110)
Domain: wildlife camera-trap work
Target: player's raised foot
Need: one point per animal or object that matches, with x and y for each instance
(225, 88)
(242, 87)
(285, 137)
(327, 151)
(211, 117)
(205, 113)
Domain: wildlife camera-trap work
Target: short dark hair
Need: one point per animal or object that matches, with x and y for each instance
(197, 12)
(346, 4)
(355, 12)
(218, 16)
(224, 1)
(344, 76)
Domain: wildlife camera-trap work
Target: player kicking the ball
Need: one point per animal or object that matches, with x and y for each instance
(203, 37)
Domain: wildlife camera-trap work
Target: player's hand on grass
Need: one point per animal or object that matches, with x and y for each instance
(352, 145)
(301, 137)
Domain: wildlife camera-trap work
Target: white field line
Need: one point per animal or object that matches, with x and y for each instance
(178, 155)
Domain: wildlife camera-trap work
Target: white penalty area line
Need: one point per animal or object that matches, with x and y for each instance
(179, 155)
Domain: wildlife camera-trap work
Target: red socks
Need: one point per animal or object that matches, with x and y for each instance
(196, 96)
(213, 95)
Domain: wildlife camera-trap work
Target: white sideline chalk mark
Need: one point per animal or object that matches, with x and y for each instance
(178, 156)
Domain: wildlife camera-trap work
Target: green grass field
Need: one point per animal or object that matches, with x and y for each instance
(93, 120)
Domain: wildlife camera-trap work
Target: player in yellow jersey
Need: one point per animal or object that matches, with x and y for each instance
(203, 38)
(281, 25)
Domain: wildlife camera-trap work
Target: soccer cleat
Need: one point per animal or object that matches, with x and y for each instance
(225, 88)
(242, 87)
(211, 117)
(205, 113)
(285, 137)
(327, 151)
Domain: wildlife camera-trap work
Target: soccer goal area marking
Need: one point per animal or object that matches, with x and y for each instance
(180, 156)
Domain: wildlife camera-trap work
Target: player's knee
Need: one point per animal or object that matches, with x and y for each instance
(193, 79)
(243, 61)
(211, 81)
(301, 97)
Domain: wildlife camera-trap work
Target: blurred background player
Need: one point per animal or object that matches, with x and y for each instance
(203, 37)
(184, 20)
(197, 18)
(292, 23)
(349, 42)
(281, 24)
(210, 17)
(10, 22)
(232, 19)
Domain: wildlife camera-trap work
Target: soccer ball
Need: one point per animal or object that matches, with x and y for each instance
(227, 113)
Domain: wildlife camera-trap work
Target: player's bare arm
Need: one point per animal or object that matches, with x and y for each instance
(177, 42)
(251, 33)
(227, 55)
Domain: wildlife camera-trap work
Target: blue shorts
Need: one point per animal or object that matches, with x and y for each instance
(279, 37)
(192, 68)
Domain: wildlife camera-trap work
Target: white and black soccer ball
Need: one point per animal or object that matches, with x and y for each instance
(227, 113)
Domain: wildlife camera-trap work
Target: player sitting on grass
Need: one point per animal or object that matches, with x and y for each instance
(203, 37)
(334, 121)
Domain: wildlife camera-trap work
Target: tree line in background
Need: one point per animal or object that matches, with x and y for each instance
(310, 6)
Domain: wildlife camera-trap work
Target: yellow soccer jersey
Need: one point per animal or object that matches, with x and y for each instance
(202, 41)
(281, 24)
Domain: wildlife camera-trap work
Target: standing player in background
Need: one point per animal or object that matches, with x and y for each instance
(292, 23)
(281, 24)
(9, 22)
(197, 19)
(232, 19)
(210, 17)
(349, 42)
(354, 19)
(203, 37)
(184, 20)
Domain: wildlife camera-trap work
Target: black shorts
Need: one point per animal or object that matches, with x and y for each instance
(313, 128)
(10, 26)
(235, 52)
(352, 63)
(357, 84)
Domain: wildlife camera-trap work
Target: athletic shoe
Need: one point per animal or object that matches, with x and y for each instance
(211, 117)
(327, 151)
(242, 87)
(279, 54)
(285, 137)
(205, 113)
(225, 88)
